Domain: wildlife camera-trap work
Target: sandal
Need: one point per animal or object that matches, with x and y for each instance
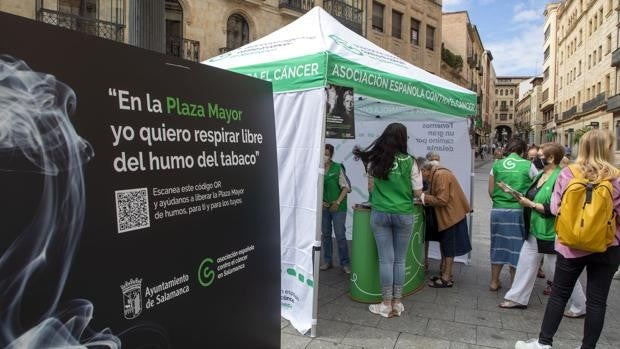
(547, 290)
(511, 305)
(440, 283)
(437, 277)
(496, 288)
(570, 314)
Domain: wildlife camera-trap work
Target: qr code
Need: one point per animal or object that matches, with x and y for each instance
(132, 209)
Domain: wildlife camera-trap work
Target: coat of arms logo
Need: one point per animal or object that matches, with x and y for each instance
(132, 298)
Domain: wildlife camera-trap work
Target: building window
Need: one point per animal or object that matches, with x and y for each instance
(397, 22)
(600, 16)
(415, 32)
(547, 33)
(579, 72)
(546, 53)
(600, 52)
(237, 31)
(580, 36)
(589, 27)
(546, 74)
(377, 16)
(501, 92)
(511, 103)
(608, 44)
(430, 37)
(510, 116)
(545, 95)
(496, 91)
(607, 83)
(511, 92)
(589, 61)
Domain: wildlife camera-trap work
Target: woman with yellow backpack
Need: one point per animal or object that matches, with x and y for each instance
(577, 244)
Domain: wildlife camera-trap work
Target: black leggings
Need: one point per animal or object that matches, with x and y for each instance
(600, 268)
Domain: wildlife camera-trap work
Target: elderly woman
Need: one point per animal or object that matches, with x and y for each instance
(451, 208)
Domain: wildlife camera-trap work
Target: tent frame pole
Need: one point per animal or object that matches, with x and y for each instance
(318, 243)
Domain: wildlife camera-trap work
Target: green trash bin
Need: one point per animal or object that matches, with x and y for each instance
(364, 283)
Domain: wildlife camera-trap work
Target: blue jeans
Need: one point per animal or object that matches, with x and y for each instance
(338, 219)
(392, 233)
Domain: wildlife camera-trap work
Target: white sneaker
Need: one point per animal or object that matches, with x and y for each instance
(381, 309)
(531, 344)
(398, 308)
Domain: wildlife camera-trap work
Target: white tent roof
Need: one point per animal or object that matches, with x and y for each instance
(316, 50)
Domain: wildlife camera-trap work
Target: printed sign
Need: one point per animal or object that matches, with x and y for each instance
(140, 197)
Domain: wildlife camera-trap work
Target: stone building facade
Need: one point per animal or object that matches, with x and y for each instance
(461, 38)
(200, 29)
(586, 38)
(506, 97)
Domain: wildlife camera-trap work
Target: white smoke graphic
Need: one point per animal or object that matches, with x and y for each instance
(35, 125)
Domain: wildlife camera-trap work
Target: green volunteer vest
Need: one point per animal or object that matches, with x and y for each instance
(543, 228)
(395, 195)
(331, 186)
(514, 171)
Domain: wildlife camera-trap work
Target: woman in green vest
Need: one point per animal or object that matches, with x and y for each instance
(335, 190)
(540, 235)
(507, 226)
(393, 180)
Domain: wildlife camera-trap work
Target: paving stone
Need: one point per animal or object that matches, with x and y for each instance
(408, 322)
(458, 345)
(454, 331)
(328, 293)
(370, 338)
(332, 331)
(478, 317)
(456, 299)
(498, 338)
(321, 344)
(431, 310)
(354, 315)
(293, 342)
(409, 341)
(519, 322)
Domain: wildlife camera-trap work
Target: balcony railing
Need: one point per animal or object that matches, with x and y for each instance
(595, 102)
(183, 48)
(102, 29)
(570, 112)
(613, 103)
(503, 108)
(301, 6)
(349, 16)
(615, 58)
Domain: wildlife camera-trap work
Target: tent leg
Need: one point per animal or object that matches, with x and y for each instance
(471, 197)
(315, 303)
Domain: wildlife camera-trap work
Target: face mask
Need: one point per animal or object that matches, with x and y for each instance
(539, 163)
(326, 158)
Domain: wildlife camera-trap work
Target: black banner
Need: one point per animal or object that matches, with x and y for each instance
(339, 112)
(139, 198)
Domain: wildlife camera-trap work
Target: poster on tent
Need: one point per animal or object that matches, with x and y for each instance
(339, 112)
(139, 210)
(427, 131)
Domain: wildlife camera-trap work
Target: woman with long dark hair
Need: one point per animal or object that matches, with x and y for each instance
(393, 180)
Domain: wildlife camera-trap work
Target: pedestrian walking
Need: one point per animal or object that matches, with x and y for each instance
(594, 163)
(540, 235)
(393, 179)
(335, 190)
(451, 206)
(507, 225)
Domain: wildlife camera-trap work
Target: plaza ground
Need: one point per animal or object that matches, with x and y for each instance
(463, 317)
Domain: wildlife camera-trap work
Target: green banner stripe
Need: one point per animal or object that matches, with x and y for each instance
(375, 83)
(301, 73)
(312, 71)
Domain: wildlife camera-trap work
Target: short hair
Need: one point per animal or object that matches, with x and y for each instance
(330, 149)
(433, 155)
(553, 149)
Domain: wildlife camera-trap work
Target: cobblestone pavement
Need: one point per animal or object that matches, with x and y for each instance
(464, 317)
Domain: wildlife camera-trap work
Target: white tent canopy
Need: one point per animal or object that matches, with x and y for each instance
(300, 59)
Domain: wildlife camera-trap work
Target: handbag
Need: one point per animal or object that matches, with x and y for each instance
(431, 232)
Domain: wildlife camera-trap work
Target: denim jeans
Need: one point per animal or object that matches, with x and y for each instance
(337, 219)
(392, 233)
(600, 268)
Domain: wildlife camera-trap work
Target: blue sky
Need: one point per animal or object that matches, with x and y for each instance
(511, 29)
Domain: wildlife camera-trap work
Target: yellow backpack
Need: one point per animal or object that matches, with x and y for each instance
(586, 220)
